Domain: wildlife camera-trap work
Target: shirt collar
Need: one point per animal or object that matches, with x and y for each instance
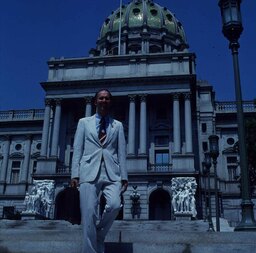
(98, 117)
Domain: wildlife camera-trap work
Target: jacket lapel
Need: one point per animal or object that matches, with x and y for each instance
(110, 130)
(93, 129)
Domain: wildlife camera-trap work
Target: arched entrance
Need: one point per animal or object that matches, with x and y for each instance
(159, 205)
(60, 203)
(67, 206)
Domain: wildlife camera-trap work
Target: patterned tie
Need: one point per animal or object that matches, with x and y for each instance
(102, 130)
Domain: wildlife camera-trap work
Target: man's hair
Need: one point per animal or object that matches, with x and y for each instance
(97, 93)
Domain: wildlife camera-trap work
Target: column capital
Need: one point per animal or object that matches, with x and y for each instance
(176, 95)
(28, 137)
(47, 102)
(88, 99)
(132, 97)
(143, 97)
(57, 101)
(7, 137)
(187, 95)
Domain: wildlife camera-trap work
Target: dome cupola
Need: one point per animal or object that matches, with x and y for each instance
(145, 27)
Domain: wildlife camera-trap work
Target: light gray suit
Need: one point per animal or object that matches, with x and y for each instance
(99, 167)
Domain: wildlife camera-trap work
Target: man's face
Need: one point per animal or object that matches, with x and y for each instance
(102, 103)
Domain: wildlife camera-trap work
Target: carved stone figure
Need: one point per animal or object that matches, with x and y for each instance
(135, 197)
(40, 199)
(183, 196)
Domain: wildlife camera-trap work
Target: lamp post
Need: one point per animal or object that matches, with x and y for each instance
(214, 153)
(232, 29)
(207, 164)
(205, 176)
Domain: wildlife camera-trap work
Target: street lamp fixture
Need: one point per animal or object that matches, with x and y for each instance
(207, 166)
(231, 19)
(214, 153)
(232, 29)
(214, 146)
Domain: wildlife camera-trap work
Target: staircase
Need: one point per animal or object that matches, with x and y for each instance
(30, 236)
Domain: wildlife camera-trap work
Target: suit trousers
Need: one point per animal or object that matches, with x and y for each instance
(94, 233)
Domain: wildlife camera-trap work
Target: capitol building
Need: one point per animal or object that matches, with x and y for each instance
(167, 114)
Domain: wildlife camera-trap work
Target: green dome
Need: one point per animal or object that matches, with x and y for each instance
(141, 21)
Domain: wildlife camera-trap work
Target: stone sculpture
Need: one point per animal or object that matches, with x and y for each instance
(40, 199)
(183, 196)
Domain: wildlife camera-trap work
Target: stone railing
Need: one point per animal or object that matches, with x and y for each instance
(63, 169)
(158, 168)
(230, 107)
(22, 115)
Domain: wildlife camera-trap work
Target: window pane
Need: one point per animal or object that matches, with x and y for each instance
(159, 158)
(231, 159)
(15, 176)
(165, 158)
(204, 127)
(16, 164)
(162, 157)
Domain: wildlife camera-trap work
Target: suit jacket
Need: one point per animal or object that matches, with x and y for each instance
(89, 151)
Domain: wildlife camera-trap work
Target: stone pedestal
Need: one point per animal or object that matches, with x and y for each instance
(182, 216)
(32, 216)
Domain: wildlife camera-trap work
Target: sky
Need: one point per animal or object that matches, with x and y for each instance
(33, 31)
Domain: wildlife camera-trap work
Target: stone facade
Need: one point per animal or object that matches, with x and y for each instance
(167, 115)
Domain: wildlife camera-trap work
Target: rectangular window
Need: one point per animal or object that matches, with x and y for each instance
(232, 173)
(34, 166)
(15, 176)
(205, 146)
(162, 158)
(204, 127)
(232, 168)
(15, 173)
(162, 161)
(232, 159)
(16, 164)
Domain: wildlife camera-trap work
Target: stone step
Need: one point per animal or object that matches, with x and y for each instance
(124, 237)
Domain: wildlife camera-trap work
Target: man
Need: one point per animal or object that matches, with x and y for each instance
(99, 165)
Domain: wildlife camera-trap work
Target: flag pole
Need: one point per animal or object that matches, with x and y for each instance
(120, 27)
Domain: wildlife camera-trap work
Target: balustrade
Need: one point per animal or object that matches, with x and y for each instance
(21, 115)
(230, 107)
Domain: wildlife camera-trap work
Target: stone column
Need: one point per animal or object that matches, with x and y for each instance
(45, 135)
(56, 128)
(131, 129)
(88, 107)
(6, 152)
(25, 167)
(143, 125)
(188, 123)
(176, 123)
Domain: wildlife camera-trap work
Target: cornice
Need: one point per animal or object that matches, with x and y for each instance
(62, 62)
(118, 80)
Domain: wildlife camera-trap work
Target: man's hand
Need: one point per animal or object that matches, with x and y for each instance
(124, 186)
(74, 182)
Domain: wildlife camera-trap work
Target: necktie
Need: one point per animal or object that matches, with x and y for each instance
(102, 130)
